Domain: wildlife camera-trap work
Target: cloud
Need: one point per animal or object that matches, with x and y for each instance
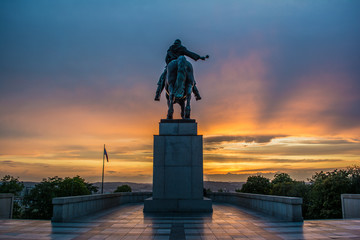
(305, 150)
(301, 174)
(37, 170)
(282, 146)
(8, 163)
(236, 139)
(322, 141)
(77, 75)
(212, 148)
(223, 158)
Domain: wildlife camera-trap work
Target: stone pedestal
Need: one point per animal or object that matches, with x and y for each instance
(178, 169)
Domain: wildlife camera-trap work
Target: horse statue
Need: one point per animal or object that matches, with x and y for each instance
(179, 85)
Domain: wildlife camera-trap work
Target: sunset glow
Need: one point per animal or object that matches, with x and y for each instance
(280, 91)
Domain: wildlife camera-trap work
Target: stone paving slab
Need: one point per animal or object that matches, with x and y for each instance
(226, 222)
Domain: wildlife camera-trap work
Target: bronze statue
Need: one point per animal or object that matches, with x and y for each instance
(178, 79)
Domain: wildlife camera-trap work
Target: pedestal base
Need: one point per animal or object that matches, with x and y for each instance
(178, 169)
(178, 205)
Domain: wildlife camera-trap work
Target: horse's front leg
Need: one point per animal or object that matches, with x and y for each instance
(188, 99)
(171, 106)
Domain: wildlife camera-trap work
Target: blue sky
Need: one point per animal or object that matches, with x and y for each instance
(77, 74)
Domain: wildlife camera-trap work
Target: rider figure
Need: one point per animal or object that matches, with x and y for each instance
(176, 50)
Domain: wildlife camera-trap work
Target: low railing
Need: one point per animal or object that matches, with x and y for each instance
(286, 208)
(350, 204)
(67, 208)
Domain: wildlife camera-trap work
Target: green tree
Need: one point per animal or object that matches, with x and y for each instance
(257, 184)
(282, 184)
(10, 184)
(39, 201)
(354, 173)
(123, 188)
(91, 187)
(325, 194)
(73, 187)
(282, 178)
(302, 190)
(321, 197)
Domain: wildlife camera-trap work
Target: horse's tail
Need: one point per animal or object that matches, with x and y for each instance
(181, 77)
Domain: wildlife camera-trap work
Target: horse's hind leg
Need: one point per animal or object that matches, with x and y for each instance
(182, 105)
(187, 110)
(188, 98)
(171, 107)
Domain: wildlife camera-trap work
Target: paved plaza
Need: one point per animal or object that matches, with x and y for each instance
(226, 222)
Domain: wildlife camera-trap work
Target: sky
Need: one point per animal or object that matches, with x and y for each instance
(280, 91)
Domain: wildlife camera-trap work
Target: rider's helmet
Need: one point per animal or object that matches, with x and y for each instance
(177, 42)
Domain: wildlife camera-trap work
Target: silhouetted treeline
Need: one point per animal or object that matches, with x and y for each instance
(321, 196)
(37, 203)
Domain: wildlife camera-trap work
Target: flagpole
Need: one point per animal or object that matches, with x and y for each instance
(102, 181)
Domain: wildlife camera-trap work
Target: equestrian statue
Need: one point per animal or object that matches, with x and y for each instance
(178, 79)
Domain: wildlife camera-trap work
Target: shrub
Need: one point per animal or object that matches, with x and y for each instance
(10, 184)
(257, 184)
(38, 203)
(123, 188)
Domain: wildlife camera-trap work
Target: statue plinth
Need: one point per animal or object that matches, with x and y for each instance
(178, 169)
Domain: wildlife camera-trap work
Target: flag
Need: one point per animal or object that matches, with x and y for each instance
(105, 153)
